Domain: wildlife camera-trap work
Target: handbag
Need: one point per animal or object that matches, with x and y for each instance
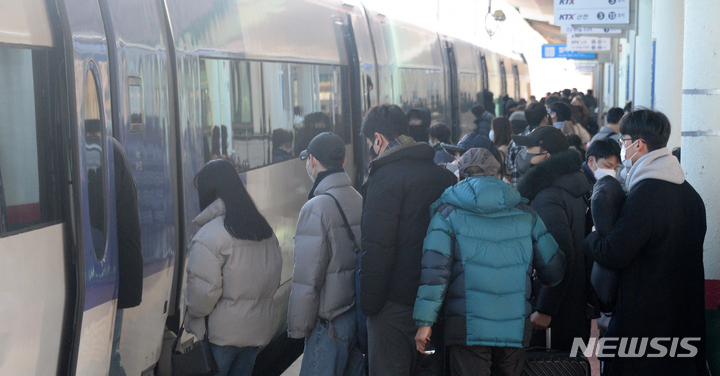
(198, 360)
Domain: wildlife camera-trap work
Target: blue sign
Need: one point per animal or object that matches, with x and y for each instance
(555, 51)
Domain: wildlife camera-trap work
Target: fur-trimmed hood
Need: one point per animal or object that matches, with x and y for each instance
(563, 170)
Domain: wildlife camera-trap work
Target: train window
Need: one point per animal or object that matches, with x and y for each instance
(485, 73)
(274, 109)
(137, 118)
(95, 162)
(469, 86)
(516, 78)
(27, 188)
(420, 88)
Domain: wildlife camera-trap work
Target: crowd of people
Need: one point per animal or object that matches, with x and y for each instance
(462, 255)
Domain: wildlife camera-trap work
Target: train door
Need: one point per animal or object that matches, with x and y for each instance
(93, 191)
(36, 292)
(453, 92)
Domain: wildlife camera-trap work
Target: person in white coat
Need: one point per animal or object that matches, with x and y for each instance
(233, 271)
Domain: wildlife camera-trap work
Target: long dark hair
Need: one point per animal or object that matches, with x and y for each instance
(218, 179)
(503, 131)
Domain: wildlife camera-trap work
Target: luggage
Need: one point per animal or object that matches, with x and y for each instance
(547, 362)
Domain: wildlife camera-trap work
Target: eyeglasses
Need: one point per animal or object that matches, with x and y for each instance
(621, 141)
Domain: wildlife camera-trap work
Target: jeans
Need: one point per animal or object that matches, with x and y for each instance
(116, 367)
(234, 361)
(331, 349)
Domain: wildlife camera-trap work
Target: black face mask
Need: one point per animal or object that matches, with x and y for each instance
(523, 161)
(372, 153)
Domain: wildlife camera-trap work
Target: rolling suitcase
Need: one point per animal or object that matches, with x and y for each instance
(547, 362)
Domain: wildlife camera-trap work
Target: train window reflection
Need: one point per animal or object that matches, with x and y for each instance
(469, 86)
(137, 117)
(25, 200)
(257, 113)
(420, 88)
(95, 164)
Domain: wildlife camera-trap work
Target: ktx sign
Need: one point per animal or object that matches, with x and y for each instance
(583, 12)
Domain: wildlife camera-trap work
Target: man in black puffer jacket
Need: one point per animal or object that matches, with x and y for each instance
(556, 187)
(402, 184)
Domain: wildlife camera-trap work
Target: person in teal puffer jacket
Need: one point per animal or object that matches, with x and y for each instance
(478, 259)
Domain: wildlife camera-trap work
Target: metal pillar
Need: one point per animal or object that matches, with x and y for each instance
(701, 144)
(668, 37)
(643, 54)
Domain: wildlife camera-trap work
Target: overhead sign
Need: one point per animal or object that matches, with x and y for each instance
(587, 44)
(589, 30)
(560, 51)
(592, 12)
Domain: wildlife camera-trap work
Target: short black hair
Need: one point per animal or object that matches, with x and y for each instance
(614, 115)
(441, 132)
(563, 111)
(603, 148)
(535, 113)
(566, 92)
(387, 119)
(478, 110)
(653, 127)
(551, 100)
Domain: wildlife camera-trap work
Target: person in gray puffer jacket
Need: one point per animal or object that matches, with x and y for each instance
(322, 301)
(233, 271)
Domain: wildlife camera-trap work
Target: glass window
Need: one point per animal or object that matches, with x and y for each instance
(420, 88)
(137, 117)
(273, 109)
(95, 163)
(469, 92)
(26, 185)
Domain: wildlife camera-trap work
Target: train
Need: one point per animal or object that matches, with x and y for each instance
(178, 83)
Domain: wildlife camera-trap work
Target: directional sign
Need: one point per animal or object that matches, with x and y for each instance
(554, 51)
(592, 12)
(587, 44)
(589, 30)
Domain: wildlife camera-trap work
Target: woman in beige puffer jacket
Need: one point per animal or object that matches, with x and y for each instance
(233, 271)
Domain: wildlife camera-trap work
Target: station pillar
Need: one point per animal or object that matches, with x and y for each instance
(643, 55)
(668, 23)
(700, 140)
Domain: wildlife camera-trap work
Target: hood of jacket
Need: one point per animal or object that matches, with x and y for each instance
(563, 170)
(410, 150)
(214, 210)
(658, 164)
(482, 195)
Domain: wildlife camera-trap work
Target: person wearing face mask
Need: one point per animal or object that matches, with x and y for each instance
(439, 134)
(656, 247)
(557, 189)
(322, 300)
(536, 116)
(402, 183)
(602, 159)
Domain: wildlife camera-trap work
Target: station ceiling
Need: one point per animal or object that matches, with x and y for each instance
(539, 14)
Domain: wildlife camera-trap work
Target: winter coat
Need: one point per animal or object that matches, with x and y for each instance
(402, 184)
(130, 258)
(232, 280)
(557, 190)
(603, 133)
(323, 283)
(441, 156)
(484, 124)
(656, 246)
(479, 253)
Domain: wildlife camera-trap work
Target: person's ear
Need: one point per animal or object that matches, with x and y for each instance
(378, 139)
(344, 161)
(591, 162)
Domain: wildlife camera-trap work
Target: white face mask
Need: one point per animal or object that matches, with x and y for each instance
(430, 141)
(492, 135)
(602, 172)
(627, 162)
(309, 172)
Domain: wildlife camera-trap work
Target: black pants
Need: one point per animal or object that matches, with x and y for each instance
(487, 360)
(391, 341)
